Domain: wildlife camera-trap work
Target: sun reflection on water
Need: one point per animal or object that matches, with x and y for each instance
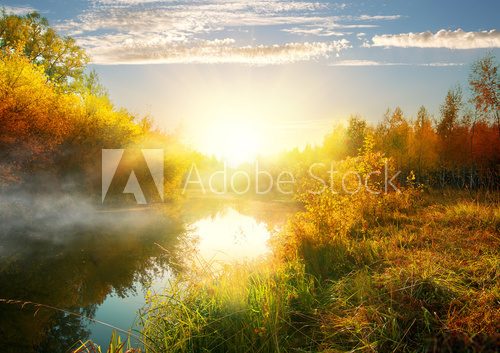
(230, 236)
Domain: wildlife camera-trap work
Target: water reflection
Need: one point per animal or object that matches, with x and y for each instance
(101, 265)
(230, 236)
(73, 266)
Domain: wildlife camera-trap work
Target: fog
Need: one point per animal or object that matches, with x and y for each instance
(56, 217)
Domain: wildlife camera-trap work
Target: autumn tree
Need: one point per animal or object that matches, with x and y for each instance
(447, 125)
(61, 58)
(485, 86)
(55, 119)
(393, 136)
(449, 110)
(335, 144)
(423, 144)
(356, 133)
(34, 117)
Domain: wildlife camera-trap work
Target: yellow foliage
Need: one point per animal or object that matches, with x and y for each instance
(34, 116)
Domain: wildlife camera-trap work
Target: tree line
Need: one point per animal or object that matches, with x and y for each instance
(459, 148)
(55, 117)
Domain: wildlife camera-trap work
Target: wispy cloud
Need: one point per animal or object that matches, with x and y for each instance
(212, 31)
(329, 26)
(357, 63)
(317, 31)
(379, 17)
(214, 52)
(18, 10)
(382, 63)
(457, 39)
(442, 64)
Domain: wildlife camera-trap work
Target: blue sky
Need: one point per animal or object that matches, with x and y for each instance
(291, 68)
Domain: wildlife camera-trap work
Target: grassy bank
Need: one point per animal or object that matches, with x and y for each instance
(370, 271)
(403, 272)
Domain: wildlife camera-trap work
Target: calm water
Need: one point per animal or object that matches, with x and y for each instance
(100, 263)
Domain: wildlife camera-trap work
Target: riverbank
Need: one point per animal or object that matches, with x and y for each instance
(404, 272)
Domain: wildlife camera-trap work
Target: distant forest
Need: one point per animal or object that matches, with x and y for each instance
(55, 117)
(459, 148)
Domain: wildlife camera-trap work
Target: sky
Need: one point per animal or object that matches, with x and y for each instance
(268, 75)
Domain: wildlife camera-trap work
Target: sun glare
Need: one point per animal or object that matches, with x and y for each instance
(235, 141)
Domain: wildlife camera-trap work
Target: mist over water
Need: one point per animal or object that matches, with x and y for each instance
(66, 252)
(72, 253)
(56, 217)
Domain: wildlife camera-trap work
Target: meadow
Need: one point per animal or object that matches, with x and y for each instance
(359, 267)
(413, 271)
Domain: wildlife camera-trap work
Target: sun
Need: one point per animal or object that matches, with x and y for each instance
(233, 138)
(235, 142)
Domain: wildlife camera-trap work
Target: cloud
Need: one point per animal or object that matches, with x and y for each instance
(356, 63)
(320, 32)
(442, 64)
(169, 31)
(379, 17)
(328, 29)
(156, 31)
(212, 51)
(381, 63)
(18, 10)
(189, 19)
(262, 5)
(457, 39)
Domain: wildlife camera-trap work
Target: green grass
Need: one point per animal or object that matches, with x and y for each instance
(421, 276)
(252, 307)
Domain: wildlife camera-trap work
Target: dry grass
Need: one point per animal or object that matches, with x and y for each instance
(422, 276)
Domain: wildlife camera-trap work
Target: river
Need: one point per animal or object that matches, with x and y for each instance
(94, 266)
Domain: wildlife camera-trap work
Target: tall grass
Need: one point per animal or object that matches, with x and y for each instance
(423, 278)
(254, 307)
(397, 272)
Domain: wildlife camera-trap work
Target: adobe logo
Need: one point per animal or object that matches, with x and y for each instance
(132, 175)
